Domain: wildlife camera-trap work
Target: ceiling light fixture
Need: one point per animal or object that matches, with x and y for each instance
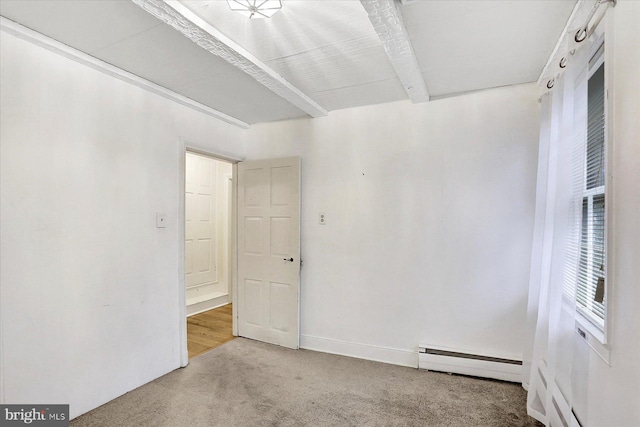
(255, 8)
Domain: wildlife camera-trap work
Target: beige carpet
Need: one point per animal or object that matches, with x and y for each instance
(247, 383)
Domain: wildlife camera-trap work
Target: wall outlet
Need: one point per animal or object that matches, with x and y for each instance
(322, 219)
(161, 220)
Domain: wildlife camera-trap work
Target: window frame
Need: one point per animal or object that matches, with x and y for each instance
(597, 56)
(595, 334)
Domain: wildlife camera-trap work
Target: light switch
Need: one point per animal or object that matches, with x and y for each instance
(322, 219)
(161, 220)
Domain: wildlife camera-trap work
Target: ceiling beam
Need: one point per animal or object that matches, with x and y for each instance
(387, 21)
(209, 38)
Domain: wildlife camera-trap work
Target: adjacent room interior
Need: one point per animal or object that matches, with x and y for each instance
(310, 212)
(208, 195)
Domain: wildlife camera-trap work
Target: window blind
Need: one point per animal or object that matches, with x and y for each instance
(591, 267)
(595, 130)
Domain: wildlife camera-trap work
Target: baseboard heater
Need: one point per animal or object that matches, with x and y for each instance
(447, 360)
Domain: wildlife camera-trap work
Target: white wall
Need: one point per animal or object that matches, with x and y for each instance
(613, 392)
(89, 285)
(429, 213)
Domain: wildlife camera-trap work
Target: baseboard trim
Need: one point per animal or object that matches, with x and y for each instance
(207, 305)
(375, 353)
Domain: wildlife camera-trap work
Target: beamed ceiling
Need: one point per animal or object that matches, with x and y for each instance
(313, 56)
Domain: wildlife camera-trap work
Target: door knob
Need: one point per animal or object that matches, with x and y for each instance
(289, 259)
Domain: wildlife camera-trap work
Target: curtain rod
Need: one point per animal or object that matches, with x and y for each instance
(582, 33)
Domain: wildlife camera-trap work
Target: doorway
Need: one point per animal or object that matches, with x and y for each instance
(263, 228)
(207, 278)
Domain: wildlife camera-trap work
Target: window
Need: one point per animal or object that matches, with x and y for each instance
(591, 289)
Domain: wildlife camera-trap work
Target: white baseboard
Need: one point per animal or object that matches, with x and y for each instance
(376, 353)
(207, 305)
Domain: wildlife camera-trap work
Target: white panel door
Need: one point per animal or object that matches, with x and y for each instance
(269, 250)
(200, 226)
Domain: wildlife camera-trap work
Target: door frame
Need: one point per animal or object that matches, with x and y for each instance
(187, 145)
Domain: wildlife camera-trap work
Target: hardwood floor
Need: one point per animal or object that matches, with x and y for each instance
(208, 330)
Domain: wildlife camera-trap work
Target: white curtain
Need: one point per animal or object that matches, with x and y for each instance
(551, 309)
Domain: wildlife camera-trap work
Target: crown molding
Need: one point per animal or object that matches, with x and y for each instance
(66, 51)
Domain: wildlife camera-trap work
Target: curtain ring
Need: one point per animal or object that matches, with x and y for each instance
(550, 83)
(581, 35)
(563, 62)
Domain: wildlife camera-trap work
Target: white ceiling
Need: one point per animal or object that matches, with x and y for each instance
(469, 45)
(327, 49)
